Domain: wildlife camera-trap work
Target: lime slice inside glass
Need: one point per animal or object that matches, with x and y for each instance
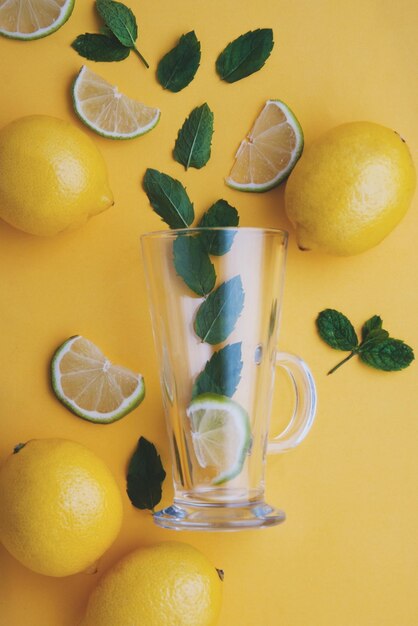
(221, 435)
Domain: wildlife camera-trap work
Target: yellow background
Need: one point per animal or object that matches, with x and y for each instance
(347, 554)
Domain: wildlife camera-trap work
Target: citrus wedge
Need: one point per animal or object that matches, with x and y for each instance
(26, 19)
(268, 154)
(221, 434)
(108, 112)
(87, 383)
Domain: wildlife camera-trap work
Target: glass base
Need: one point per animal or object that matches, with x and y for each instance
(213, 517)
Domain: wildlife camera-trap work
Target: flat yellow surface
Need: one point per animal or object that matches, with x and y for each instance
(348, 553)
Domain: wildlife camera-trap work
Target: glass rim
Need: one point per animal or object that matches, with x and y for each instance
(174, 232)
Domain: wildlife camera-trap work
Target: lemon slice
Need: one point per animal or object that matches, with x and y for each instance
(221, 434)
(29, 19)
(268, 154)
(87, 383)
(105, 110)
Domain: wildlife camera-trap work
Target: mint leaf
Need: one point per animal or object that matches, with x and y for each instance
(372, 324)
(336, 330)
(245, 55)
(100, 47)
(192, 263)
(105, 30)
(374, 337)
(222, 372)
(217, 316)
(168, 198)
(122, 22)
(179, 66)
(389, 355)
(372, 333)
(192, 147)
(220, 214)
(145, 476)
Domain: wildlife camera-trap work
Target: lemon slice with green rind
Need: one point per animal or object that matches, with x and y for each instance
(270, 151)
(26, 19)
(88, 384)
(107, 111)
(221, 434)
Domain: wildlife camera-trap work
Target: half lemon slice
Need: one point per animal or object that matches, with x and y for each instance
(270, 151)
(87, 383)
(221, 434)
(26, 19)
(107, 111)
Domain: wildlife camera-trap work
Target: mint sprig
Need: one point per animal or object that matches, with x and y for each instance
(376, 349)
(117, 36)
(122, 22)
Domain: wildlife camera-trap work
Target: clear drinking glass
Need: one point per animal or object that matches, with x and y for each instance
(215, 298)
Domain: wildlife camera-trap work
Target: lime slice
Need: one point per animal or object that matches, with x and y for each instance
(221, 434)
(270, 151)
(108, 112)
(26, 19)
(87, 383)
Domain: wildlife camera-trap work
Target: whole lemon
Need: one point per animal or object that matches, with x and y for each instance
(52, 176)
(168, 584)
(60, 507)
(350, 189)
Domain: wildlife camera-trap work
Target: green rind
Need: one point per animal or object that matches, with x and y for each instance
(288, 170)
(136, 401)
(227, 476)
(103, 134)
(56, 26)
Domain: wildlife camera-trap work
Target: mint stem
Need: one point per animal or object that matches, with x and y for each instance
(350, 356)
(141, 57)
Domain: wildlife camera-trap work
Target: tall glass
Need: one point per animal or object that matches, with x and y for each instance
(215, 298)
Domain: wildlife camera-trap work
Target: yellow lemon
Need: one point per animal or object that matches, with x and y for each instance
(52, 176)
(168, 584)
(350, 189)
(60, 507)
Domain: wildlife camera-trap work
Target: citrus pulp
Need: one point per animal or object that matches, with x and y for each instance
(88, 384)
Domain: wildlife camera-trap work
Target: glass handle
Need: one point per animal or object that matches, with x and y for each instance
(305, 403)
